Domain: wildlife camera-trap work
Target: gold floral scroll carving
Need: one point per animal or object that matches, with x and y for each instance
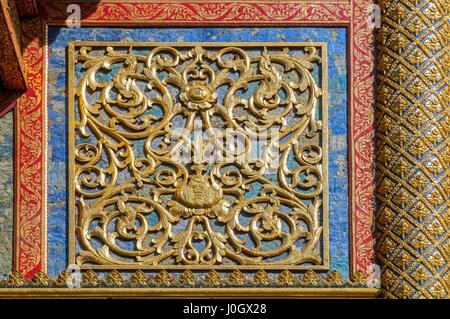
(198, 155)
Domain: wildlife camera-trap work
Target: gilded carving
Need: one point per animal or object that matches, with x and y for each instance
(90, 279)
(145, 192)
(212, 278)
(286, 278)
(187, 278)
(412, 149)
(114, 279)
(16, 279)
(121, 278)
(261, 277)
(40, 279)
(139, 278)
(163, 278)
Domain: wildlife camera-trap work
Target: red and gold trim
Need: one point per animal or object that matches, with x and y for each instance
(31, 173)
(362, 132)
(31, 114)
(135, 13)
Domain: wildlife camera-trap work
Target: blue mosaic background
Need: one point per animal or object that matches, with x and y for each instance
(6, 193)
(57, 113)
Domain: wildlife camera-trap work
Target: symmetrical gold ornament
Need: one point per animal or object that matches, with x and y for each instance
(136, 110)
(413, 149)
(189, 279)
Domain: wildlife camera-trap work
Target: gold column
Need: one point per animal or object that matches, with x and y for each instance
(413, 148)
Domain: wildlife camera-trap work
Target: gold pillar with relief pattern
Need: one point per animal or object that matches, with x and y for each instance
(413, 148)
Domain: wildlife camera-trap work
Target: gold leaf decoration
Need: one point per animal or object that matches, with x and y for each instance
(187, 278)
(40, 279)
(163, 278)
(16, 279)
(114, 279)
(90, 279)
(139, 278)
(237, 278)
(261, 277)
(144, 187)
(212, 278)
(286, 278)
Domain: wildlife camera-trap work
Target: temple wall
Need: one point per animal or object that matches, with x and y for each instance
(338, 122)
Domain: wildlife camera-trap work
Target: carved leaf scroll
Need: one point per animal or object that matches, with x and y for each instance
(136, 108)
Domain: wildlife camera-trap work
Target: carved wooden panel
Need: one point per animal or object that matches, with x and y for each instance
(198, 155)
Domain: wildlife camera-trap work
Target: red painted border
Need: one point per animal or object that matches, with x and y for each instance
(30, 156)
(30, 252)
(362, 134)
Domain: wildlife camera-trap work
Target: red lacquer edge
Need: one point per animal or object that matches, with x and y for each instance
(31, 116)
(30, 156)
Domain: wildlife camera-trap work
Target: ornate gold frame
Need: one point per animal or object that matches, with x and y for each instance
(349, 14)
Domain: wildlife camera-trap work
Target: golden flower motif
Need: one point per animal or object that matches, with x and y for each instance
(386, 246)
(434, 136)
(385, 216)
(387, 278)
(403, 260)
(199, 197)
(435, 198)
(418, 149)
(433, 105)
(403, 228)
(438, 291)
(436, 260)
(417, 57)
(198, 96)
(416, 26)
(420, 242)
(433, 74)
(418, 119)
(432, 43)
(421, 275)
(419, 211)
(435, 229)
(419, 181)
(400, 104)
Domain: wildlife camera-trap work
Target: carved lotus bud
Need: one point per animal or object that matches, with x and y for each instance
(198, 96)
(199, 193)
(199, 197)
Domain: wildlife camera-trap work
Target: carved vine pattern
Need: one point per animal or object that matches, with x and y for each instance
(184, 84)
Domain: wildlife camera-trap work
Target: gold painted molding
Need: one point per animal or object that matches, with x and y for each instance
(413, 149)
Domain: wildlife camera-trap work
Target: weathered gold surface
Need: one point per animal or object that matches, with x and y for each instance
(124, 167)
(413, 149)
